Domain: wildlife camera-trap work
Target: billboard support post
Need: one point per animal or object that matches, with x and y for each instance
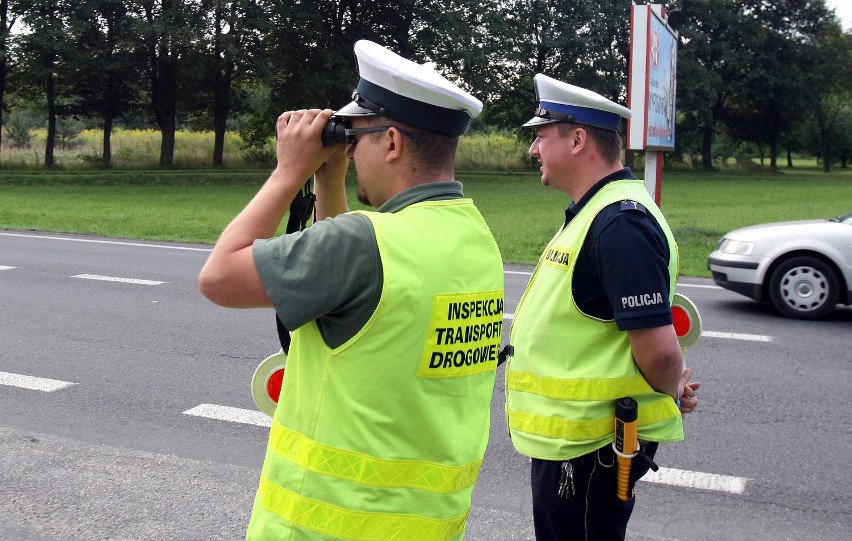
(654, 173)
(652, 89)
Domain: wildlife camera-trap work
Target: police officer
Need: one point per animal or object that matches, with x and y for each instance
(594, 324)
(382, 421)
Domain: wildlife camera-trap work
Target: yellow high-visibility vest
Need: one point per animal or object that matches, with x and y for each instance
(383, 437)
(567, 368)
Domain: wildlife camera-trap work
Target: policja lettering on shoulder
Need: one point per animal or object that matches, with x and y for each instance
(646, 299)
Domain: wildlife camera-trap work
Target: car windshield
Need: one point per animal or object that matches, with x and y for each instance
(845, 219)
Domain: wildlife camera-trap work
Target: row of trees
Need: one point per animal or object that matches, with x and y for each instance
(760, 71)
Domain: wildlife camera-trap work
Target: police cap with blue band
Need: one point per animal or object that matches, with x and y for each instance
(563, 102)
(411, 93)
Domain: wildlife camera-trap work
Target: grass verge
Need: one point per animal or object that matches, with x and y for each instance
(195, 205)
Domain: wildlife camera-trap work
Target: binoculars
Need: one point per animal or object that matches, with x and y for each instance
(336, 132)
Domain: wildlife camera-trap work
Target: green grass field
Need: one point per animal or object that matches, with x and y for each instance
(195, 205)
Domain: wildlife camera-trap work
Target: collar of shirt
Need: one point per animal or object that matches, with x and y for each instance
(447, 189)
(575, 208)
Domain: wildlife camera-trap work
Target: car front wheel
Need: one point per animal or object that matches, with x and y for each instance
(804, 287)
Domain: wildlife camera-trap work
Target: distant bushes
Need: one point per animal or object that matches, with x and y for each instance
(23, 147)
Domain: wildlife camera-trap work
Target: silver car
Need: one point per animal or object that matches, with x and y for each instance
(804, 268)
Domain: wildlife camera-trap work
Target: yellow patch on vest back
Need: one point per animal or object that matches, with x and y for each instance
(464, 335)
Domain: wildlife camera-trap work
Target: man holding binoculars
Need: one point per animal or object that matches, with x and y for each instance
(382, 422)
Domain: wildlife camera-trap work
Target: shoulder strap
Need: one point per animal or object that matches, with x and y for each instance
(301, 209)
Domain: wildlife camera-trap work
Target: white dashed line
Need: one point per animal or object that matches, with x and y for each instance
(679, 284)
(699, 480)
(234, 415)
(737, 336)
(119, 243)
(5, 267)
(712, 334)
(701, 286)
(116, 279)
(33, 383)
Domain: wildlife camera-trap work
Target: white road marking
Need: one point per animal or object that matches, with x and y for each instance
(699, 480)
(708, 334)
(737, 336)
(234, 415)
(33, 383)
(116, 279)
(679, 284)
(5, 267)
(702, 286)
(96, 241)
(712, 334)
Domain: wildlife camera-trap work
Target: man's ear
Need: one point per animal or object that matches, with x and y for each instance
(579, 140)
(395, 141)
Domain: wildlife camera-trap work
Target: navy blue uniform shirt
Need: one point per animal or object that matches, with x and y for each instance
(624, 255)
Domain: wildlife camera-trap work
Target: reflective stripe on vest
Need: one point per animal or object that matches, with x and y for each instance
(654, 411)
(353, 525)
(577, 389)
(369, 470)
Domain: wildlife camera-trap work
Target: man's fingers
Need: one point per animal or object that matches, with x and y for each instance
(685, 377)
(321, 117)
(303, 122)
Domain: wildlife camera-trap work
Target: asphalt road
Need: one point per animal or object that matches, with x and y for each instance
(96, 376)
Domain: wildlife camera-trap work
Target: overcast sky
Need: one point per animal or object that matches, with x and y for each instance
(843, 9)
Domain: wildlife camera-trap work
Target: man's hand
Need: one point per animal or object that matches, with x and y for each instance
(687, 389)
(300, 150)
(329, 184)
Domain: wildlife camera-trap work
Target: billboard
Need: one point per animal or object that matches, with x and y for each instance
(652, 84)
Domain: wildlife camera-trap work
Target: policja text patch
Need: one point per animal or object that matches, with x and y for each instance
(464, 335)
(558, 257)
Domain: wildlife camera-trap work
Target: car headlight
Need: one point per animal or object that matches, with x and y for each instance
(737, 247)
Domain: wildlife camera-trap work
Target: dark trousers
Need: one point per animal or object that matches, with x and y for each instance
(593, 512)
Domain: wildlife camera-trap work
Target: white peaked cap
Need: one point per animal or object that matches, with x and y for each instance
(412, 93)
(563, 102)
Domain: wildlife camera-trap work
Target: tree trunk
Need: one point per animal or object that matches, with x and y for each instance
(789, 159)
(50, 142)
(224, 74)
(4, 64)
(826, 151)
(167, 143)
(165, 106)
(773, 156)
(107, 156)
(707, 147)
(219, 126)
(2, 91)
(221, 90)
